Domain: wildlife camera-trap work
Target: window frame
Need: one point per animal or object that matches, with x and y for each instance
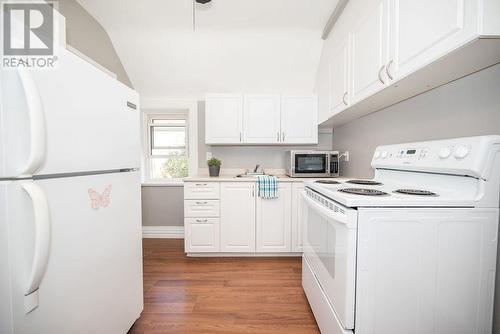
(169, 109)
(150, 125)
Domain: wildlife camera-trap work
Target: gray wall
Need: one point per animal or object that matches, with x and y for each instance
(84, 33)
(236, 157)
(162, 206)
(467, 107)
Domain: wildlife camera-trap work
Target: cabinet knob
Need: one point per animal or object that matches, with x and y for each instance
(343, 98)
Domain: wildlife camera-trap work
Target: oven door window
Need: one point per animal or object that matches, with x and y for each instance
(310, 163)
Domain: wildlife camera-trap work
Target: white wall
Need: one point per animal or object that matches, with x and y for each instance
(256, 46)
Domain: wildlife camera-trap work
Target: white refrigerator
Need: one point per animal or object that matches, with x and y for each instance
(70, 212)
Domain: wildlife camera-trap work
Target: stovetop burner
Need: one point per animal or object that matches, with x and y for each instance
(363, 191)
(327, 182)
(365, 182)
(415, 192)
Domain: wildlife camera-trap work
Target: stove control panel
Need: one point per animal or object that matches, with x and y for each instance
(460, 156)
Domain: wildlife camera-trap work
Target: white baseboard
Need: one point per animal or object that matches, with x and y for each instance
(163, 232)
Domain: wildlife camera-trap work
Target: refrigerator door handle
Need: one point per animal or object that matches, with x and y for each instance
(38, 131)
(42, 243)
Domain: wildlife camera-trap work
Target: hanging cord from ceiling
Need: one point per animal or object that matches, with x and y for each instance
(194, 15)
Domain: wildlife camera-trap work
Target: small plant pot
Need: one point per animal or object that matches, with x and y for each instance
(214, 170)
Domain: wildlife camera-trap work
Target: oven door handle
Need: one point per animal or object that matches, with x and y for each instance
(344, 219)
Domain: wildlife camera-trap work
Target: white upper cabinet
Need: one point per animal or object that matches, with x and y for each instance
(425, 30)
(274, 221)
(397, 49)
(299, 119)
(224, 119)
(261, 119)
(339, 78)
(369, 40)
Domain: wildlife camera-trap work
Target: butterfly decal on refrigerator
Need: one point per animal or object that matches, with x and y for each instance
(97, 200)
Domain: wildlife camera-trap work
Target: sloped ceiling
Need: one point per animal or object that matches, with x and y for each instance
(237, 45)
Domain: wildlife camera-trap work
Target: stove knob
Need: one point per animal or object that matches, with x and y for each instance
(384, 154)
(376, 155)
(445, 153)
(461, 152)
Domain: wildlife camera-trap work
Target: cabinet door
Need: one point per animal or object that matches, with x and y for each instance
(297, 217)
(339, 79)
(274, 221)
(369, 40)
(299, 119)
(202, 235)
(261, 119)
(223, 119)
(425, 30)
(237, 216)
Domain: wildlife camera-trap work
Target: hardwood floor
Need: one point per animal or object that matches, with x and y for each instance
(220, 295)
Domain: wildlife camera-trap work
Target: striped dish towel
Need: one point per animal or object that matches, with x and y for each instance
(267, 186)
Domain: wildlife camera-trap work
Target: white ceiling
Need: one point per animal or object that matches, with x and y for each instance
(238, 45)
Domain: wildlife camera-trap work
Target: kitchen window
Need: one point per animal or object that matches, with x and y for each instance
(168, 146)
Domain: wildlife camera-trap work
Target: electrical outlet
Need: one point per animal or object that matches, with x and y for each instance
(209, 155)
(346, 156)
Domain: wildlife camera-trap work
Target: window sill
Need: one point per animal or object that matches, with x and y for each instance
(162, 184)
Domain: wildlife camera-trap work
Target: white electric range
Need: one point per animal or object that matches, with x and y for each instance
(411, 251)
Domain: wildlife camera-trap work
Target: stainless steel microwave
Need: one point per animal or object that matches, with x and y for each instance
(313, 163)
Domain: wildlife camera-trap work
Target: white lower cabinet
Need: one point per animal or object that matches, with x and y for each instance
(237, 216)
(229, 217)
(297, 217)
(274, 221)
(202, 235)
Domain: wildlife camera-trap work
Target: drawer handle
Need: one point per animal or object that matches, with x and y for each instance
(201, 184)
(202, 220)
(201, 203)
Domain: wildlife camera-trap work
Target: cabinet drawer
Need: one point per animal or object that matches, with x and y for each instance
(202, 235)
(201, 208)
(201, 190)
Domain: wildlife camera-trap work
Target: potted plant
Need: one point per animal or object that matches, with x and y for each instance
(214, 166)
